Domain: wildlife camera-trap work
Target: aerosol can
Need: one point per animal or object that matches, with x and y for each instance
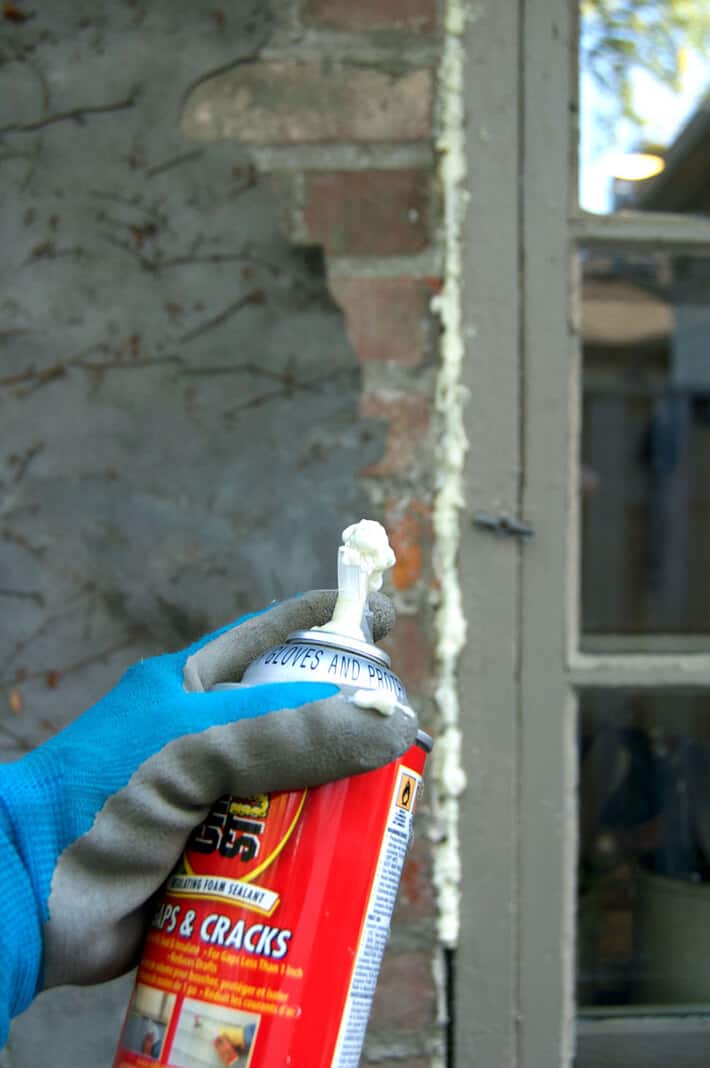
(266, 943)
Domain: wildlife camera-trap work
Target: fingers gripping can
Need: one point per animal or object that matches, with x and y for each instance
(265, 946)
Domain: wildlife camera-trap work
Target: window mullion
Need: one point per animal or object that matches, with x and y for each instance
(684, 671)
(642, 228)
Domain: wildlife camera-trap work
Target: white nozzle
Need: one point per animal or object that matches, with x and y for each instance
(362, 558)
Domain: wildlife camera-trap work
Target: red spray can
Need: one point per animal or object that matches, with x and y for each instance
(265, 946)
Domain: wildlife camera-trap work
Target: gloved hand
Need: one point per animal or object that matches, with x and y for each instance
(92, 822)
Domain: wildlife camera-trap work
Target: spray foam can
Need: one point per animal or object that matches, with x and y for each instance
(265, 946)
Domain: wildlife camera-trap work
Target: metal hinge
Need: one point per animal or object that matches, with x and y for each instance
(503, 525)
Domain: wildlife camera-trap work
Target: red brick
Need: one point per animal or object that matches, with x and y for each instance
(405, 998)
(411, 653)
(386, 318)
(416, 15)
(410, 531)
(377, 213)
(292, 101)
(416, 897)
(408, 415)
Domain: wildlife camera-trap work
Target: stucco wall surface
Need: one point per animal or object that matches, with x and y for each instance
(177, 393)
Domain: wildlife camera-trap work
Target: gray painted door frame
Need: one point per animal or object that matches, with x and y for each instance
(485, 981)
(522, 666)
(514, 966)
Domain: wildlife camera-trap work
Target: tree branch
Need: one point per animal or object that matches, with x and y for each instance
(73, 114)
(257, 296)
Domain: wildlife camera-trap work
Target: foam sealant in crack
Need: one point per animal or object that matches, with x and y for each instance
(450, 401)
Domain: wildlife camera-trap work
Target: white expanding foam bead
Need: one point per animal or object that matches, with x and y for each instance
(363, 558)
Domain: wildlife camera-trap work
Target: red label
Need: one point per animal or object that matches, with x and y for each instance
(251, 955)
(238, 841)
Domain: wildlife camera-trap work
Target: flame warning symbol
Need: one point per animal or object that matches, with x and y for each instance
(407, 792)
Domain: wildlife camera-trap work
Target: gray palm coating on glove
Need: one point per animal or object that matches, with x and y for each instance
(104, 881)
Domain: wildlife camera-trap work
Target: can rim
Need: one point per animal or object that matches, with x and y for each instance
(424, 740)
(332, 640)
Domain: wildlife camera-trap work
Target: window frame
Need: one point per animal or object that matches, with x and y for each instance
(514, 971)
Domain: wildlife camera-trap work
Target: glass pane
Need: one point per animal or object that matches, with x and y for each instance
(645, 452)
(644, 112)
(644, 859)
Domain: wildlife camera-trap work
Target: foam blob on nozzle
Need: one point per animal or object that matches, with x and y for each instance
(363, 558)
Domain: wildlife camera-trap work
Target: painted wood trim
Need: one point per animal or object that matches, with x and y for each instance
(486, 1008)
(548, 804)
(642, 1041)
(689, 671)
(642, 228)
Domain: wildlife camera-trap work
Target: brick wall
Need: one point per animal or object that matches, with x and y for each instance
(339, 109)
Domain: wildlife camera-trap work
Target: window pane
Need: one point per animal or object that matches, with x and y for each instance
(643, 105)
(644, 866)
(645, 480)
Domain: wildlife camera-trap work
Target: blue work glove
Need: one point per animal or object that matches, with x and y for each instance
(92, 822)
